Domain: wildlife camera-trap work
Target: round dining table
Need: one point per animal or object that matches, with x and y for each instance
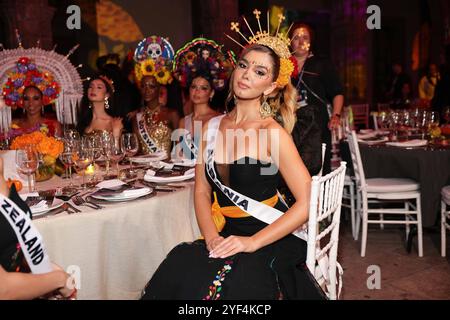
(428, 165)
(113, 251)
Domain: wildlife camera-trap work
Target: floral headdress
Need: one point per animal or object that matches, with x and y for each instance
(26, 73)
(154, 57)
(203, 56)
(108, 81)
(279, 43)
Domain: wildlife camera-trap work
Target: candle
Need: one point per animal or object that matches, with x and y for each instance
(90, 170)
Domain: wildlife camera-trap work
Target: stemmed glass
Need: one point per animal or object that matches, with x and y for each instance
(117, 153)
(432, 122)
(83, 159)
(446, 115)
(27, 162)
(105, 138)
(130, 145)
(94, 142)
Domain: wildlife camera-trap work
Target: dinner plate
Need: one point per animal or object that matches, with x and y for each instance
(373, 141)
(39, 211)
(408, 144)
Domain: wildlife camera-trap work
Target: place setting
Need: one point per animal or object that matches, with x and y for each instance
(115, 190)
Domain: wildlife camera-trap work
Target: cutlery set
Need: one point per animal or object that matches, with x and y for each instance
(86, 200)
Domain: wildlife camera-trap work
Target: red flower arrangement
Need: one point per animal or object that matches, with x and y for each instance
(25, 74)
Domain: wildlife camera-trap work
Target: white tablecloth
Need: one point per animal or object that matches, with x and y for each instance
(119, 248)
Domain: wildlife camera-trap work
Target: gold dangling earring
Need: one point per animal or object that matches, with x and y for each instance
(106, 103)
(264, 109)
(235, 100)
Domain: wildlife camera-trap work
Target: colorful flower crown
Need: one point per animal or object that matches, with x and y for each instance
(279, 43)
(154, 57)
(203, 56)
(26, 74)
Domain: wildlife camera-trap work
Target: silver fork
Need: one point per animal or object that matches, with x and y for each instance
(79, 201)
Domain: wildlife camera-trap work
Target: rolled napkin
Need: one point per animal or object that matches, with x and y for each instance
(409, 143)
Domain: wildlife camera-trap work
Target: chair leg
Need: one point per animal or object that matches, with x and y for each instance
(352, 211)
(419, 226)
(443, 229)
(407, 227)
(364, 227)
(358, 215)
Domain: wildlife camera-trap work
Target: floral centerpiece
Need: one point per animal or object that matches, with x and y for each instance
(48, 148)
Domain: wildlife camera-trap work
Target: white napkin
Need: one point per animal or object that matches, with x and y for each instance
(409, 143)
(108, 184)
(136, 192)
(184, 162)
(42, 205)
(150, 172)
(366, 135)
(24, 196)
(383, 139)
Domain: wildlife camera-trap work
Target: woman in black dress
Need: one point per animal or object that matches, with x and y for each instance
(319, 89)
(253, 247)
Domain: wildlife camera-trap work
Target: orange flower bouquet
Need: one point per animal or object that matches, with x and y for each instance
(48, 148)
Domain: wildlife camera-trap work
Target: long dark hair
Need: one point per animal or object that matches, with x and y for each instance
(85, 113)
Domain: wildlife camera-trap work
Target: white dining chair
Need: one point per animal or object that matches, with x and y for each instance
(381, 191)
(326, 200)
(445, 216)
(324, 149)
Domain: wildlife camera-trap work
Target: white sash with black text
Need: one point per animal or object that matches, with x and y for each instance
(254, 208)
(28, 236)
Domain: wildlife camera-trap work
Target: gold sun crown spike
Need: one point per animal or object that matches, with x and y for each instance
(279, 43)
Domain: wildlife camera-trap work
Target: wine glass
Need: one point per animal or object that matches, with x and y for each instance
(83, 158)
(432, 123)
(27, 162)
(117, 152)
(67, 158)
(106, 138)
(131, 146)
(446, 115)
(94, 142)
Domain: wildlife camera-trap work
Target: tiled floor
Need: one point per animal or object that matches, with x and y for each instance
(403, 275)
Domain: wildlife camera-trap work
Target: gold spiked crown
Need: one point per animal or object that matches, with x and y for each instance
(279, 43)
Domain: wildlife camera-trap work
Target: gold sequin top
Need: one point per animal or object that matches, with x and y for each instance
(158, 129)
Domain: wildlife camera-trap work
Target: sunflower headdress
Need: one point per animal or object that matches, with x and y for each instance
(278, 42)
(154, 57)
(203, 56)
